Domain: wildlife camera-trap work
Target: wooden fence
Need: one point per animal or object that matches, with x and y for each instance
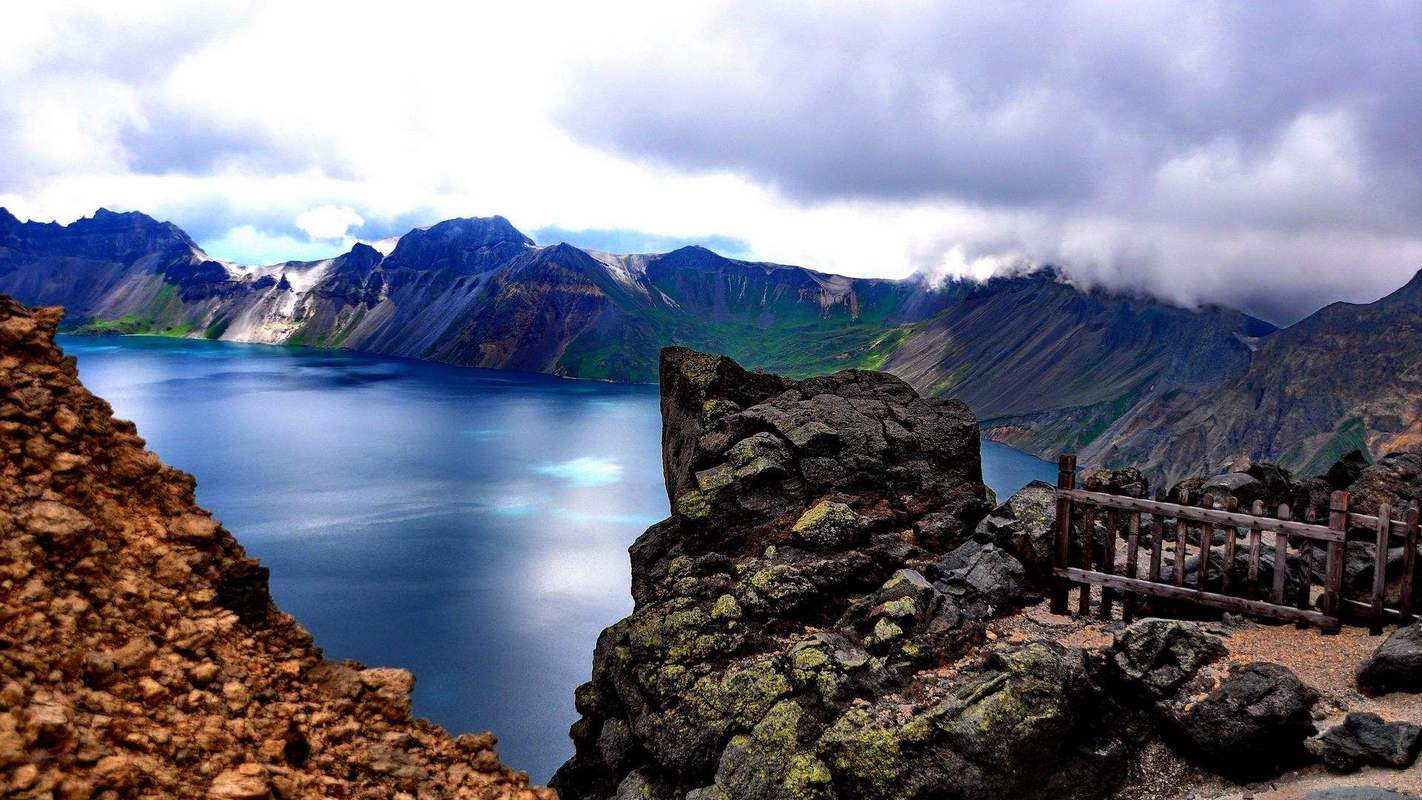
(1180, 529)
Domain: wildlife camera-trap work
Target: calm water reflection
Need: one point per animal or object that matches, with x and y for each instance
(469, 525)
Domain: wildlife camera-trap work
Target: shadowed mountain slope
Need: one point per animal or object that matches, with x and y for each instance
(1347, 377)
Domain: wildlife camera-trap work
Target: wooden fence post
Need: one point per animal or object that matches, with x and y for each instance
(1182, 529)
(1337, 550)
(1108, 558)
(1409, 565)
(1066, 480)
(1375, 610)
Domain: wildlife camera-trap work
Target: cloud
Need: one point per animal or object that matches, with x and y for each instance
(625, 240)
(1150, 144)
(328, 222)
(246, 244)
(1253, 154)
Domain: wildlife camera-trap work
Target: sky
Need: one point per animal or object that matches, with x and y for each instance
(1264, 156)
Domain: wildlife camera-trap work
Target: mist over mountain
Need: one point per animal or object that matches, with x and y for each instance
(1048, 366)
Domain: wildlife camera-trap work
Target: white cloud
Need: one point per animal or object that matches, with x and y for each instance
(328, 221)
(245, 244)
(1235, 153)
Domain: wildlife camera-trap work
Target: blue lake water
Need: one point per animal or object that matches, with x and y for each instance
(469, 525)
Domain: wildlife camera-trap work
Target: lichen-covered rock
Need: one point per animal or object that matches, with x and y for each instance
(1034, 724)
(140, 652)
(1025, 527)
(789, 581)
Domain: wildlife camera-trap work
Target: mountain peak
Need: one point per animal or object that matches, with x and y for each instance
(477, 231)
(467, 243)
(105, 215)
(1411, 287)
(693, 255)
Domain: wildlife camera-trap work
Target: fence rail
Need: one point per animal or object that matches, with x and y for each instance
(1155, 528)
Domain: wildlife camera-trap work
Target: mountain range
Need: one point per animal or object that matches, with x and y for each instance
(1046, 365)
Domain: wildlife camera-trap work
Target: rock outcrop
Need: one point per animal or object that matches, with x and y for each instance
(140, 653)
(819, 566)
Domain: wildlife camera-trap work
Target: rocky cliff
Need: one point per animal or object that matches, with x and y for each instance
(140, 654)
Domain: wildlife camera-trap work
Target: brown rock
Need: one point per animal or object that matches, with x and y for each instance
(12, 744)
(112, 658)
(67, 462)
(56, 522)
(247, 782)
(151, 690)
(204, 673)
(390, 688)
(193, 528)
(16, 329)
(65, 420)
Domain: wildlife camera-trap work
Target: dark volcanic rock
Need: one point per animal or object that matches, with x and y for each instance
(1244, 488)
(1396, 666)
(1155, 657)
(1024, 526)
(1033, 724)
(1128, 481)
(817, 565)
(980, 580)
(1252, 726)
(809, 622)
(1366, 740)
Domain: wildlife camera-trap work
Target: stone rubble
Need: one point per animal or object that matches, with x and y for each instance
(141, 654)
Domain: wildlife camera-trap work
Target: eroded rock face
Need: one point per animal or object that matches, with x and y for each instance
(819, 564)
(140, 653)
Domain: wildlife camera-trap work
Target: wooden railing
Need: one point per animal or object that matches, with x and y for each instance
(1185, 528)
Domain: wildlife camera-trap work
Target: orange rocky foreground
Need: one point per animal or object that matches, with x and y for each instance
(140, 654)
